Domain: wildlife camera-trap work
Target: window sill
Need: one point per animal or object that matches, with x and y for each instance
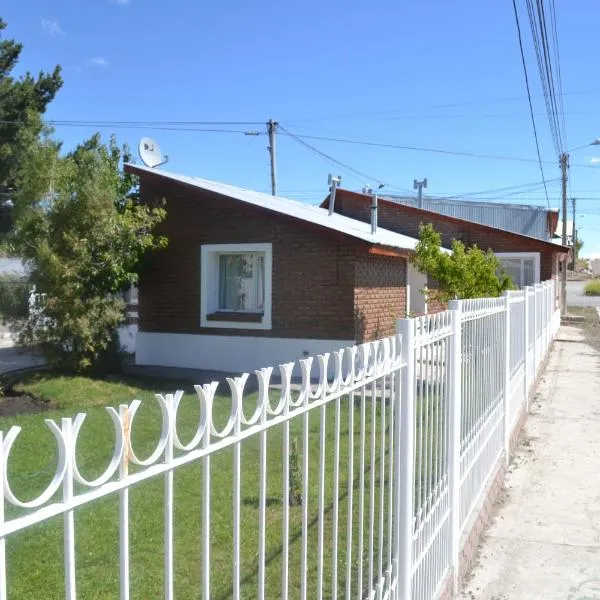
(235, 317)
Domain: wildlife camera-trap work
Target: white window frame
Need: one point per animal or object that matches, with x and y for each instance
(524, 255)
(209, 284)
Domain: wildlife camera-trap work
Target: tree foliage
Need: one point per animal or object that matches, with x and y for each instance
(81, 228)
(22, 102)
(462, 273)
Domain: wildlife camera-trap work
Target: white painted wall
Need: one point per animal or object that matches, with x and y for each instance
(227, 353)
(595, 266)
(127, 338)
(416, 282)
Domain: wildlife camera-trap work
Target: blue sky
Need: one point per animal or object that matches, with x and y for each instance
(442, 75)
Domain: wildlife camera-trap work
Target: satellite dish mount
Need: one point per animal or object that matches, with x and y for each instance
(150, 153)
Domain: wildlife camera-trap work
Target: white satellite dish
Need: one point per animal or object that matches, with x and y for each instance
(150, 153)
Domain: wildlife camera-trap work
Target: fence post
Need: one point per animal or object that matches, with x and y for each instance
(405, 467)
(535, 331)
(454, 436)
(507, 376)
(527, 343)
(544, 317)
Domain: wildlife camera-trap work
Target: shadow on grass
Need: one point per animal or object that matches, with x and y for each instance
(297, 536)
(255, 502)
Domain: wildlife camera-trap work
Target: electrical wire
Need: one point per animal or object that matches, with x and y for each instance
(354, 172)
(423, 149)
(294, 121)
(523, 188)
(537, 144)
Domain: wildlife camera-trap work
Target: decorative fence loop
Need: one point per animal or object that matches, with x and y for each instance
(165, 410)
(117, 452)
(59, 474)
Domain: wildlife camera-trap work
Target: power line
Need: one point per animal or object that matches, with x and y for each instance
(415, 108)
(537, 145)
(424, 149)
(355, 172)
(132, 125)
(523, 188)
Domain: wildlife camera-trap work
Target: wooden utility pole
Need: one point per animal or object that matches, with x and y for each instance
(564, 167)
(574, 233)
(272, 130)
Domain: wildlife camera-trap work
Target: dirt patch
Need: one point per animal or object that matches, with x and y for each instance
(14, 404)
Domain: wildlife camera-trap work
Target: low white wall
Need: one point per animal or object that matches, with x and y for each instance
(227, 353)
(127, 338)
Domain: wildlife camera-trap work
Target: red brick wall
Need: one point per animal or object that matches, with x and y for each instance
(407, 220)
(313, 273)
(379, 296)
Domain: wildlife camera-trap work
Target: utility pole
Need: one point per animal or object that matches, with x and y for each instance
(574, 233)
(564, 167)
(272, 130)
(419, 185)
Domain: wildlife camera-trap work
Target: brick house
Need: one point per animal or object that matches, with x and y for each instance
(250, 280)
(527, 259)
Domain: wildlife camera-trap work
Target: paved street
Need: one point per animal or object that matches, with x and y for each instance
(545, 539)
(575, 296)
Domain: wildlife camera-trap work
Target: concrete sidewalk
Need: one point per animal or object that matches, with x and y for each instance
(544, 542)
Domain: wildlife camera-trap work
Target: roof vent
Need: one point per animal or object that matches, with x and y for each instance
(333, 184)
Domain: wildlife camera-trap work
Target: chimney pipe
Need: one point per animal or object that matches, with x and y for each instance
(333, 183)
(374, 215)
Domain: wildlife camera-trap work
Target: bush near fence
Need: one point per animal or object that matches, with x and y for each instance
(390, 463)
(14, 294)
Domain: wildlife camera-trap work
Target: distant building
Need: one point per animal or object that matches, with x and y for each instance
(530, 220)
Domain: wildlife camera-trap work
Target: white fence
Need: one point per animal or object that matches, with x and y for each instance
(394, 456)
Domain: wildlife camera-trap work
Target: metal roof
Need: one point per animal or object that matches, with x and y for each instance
(519, 218)
(290, 208)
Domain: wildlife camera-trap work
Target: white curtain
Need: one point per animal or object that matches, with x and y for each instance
(241, 282)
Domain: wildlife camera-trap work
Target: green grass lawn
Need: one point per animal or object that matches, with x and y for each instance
(592, 288)
(35, 564)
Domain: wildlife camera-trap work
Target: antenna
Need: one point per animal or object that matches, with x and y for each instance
(150, 153)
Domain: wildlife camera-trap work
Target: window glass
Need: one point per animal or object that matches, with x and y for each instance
(512, 266)
(528, 271)
(241, 282)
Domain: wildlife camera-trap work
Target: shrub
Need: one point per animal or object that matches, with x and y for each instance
(465, 272)
(592, 288)
(14, 295)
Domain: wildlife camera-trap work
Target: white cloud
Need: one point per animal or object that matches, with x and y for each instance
(594, 160)
(99, 61)
(52, 27)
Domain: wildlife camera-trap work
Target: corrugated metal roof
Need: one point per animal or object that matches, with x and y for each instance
(291, 208)
(518, 218)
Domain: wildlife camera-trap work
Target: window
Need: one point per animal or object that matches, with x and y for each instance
(523, 268)
(235, 282)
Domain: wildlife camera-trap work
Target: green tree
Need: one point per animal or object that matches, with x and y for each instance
(83, 231)
(462, 273)
(23, 101)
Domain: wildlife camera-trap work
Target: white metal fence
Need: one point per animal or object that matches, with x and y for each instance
(365, 482)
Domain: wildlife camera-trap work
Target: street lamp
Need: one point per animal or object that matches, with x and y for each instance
(564, 166)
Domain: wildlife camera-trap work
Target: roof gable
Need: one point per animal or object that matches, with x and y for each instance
(298, 210)
(436, 216)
